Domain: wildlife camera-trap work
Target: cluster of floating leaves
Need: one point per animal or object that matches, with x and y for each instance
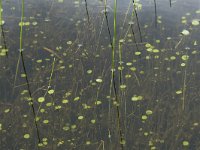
(84, 105)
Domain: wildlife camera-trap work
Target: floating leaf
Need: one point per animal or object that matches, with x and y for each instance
(34, 23)
(27, 136)
(183, 64)
(136, 98)
(51, 91)
(41, 99)
(185, 32)
(144, 117)
(93, 121)
(129, 63)
(73, 126)
(185, 143)
(179, 92)
(149, 49)
(23, 75)
(133, 69)
(65, 101)
(45, 121)
(123, 86)
(156, 51)
(147, 45)
(185, 57)
(173, 57)
(149, 112)
(87, 142)
(77, 98)
(7, 110)
(58, 107)
(89, 71)
(99, 80)
(60, 1)
(80, 117)
(195, 22)
(69, 42)
(98, 102)
(157, 41)
(66, 128)
(137, 53)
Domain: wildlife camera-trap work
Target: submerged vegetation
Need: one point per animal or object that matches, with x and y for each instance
(103, 74)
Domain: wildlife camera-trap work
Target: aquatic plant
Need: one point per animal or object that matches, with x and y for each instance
(96, 79)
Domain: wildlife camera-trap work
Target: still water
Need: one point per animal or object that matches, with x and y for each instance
(103, 75)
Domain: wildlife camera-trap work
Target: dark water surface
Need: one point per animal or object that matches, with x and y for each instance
(151, 100)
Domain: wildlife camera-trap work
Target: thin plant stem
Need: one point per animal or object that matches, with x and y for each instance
(134, 39)
(110, 38)
(86, 8)
(24, 68)
(2, 30)
(126, 14)
(108, 28)
(138, 24)
(184, 89)
(184, 86)
(120, 62)
(49, 84)
(113, 73)
(155, 11)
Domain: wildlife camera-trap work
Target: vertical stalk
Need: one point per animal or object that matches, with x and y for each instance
(134, 37)
(170, 3)
(115, 35)
(2, 30)
(24, 68)
(113, 74)
(137, 21)
(155, 10)
(120, 61)
(184, 89)
(88, 17)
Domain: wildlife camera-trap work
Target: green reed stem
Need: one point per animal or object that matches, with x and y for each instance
(115, 34)
(120, 62)
(113, 74)
(24, 68)
(0, 12)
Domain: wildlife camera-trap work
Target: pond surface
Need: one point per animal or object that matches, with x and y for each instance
(95, 74)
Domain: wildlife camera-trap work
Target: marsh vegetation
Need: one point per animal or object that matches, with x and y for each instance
(100, 74)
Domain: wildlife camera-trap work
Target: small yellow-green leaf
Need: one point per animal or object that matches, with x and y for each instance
(144, 117)
(195, 22)
(99, 80)
(80, 117)
(26, 136)
(41, 99)
(149, 112)
(65, 101)
(185, 57)
(45, 121)
(51, 91)
(185, 32)
(185, 143)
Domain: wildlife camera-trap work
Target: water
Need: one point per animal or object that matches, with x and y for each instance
(151, 102)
